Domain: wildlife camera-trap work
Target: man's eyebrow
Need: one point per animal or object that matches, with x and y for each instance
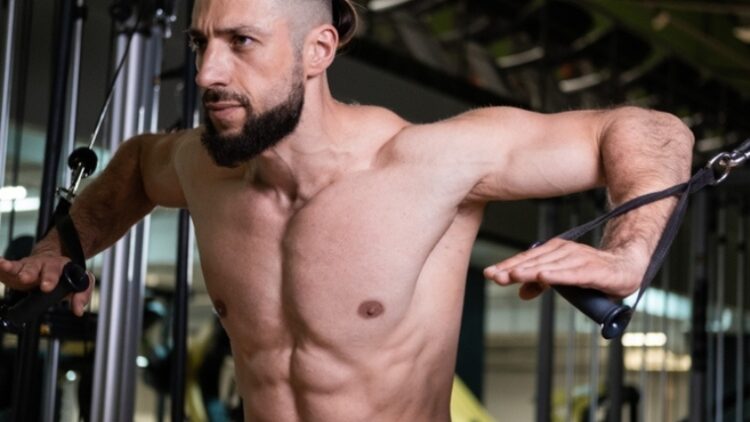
(232, 30)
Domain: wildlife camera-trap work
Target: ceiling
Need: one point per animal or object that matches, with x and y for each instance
(691, 58)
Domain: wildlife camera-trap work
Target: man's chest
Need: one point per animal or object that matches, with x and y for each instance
(357, 242)
(345, 228)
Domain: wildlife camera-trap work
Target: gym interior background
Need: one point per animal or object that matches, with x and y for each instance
(683, 356)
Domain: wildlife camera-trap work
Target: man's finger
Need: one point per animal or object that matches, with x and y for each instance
(553, 246)
(80, 300)
(9, 272)
(9, 267)
(523, 274)
(529, 291)
(51, 272)
(30, 271)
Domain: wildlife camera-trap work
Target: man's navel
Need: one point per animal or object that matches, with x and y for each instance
(371, 309)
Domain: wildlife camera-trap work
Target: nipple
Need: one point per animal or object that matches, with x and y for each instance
(371, 309)
(220, 309)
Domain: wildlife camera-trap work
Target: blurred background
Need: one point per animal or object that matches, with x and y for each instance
(683, 357)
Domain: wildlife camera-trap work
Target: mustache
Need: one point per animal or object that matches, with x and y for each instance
(216, 95)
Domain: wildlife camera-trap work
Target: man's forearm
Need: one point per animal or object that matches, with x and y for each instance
(109, 205)
(642, 151)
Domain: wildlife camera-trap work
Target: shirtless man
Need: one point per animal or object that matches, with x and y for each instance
(335, 238)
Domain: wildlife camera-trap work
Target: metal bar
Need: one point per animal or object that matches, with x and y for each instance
(138, 82)
(664, 329)
(570, 346)
(56, 119)
(5, 86)
(103, 400)
(593, 372)
(29, 340)
(50, 380)
(643, 374)
(595, 363)
(22, 60)
(53, 346)
(138, 256)
(184, 258)
(545, 351)
(740, 294)
(718, 320)
(615, 374)
(75, 78)
(152, 85)
(180, 316)
(26, 354)
(570, 361)
(699, 335)
(114, 270)
(125, 267)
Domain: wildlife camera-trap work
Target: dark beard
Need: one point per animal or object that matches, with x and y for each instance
(259, 132)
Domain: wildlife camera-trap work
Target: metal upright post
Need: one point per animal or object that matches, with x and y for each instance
(5, 86)
(53, 345)
(184, 259)
(546, 350)
(721, 251)
(73, 84)
(28, 350)
(102, 395)
(593, 372)
(571, 342)
(615, 375)
(112, 290)
(699, 336)
(547, 220)
(56, 119)
(21, 85)
(742, 272)
(124, 266)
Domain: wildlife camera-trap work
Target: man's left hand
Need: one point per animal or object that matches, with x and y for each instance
(617, 273)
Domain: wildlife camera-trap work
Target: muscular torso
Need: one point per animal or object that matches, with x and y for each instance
(343, 306)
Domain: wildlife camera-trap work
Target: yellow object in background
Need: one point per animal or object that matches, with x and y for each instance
(464, 405)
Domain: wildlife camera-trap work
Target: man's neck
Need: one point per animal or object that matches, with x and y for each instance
(311, 157)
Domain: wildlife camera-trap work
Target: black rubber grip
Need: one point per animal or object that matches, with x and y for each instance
(73, 280)
(613, 317)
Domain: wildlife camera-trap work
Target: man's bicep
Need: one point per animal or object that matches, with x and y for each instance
(158, 169)
(533, 155)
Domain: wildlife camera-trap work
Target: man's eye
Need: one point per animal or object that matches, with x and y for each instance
(197, 44)
(242, 41)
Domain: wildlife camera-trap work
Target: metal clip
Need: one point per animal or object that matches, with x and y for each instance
(724, 162)
(740, 154)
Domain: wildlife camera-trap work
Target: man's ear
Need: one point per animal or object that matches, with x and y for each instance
(320, 49)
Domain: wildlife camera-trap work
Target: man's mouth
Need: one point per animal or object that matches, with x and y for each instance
(222, 110)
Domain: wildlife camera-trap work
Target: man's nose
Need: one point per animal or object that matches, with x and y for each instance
(214, 67)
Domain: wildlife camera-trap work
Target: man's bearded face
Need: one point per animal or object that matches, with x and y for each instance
(260, 130)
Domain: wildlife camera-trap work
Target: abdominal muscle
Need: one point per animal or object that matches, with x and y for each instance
(403, 375)
(288, 369)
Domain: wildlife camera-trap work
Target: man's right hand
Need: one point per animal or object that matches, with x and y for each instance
(44, 270)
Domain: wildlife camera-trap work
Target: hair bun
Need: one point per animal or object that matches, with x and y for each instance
(345, 20)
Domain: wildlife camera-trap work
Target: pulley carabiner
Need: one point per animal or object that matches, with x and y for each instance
(723, 163)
